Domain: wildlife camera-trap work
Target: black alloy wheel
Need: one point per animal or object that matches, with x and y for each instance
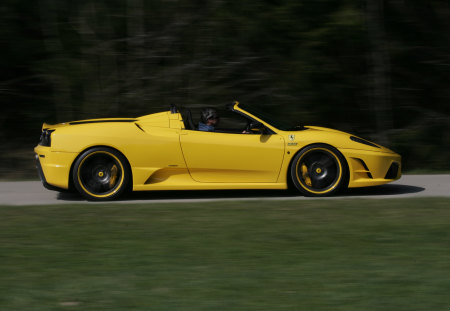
(319, 170)
(101, 174)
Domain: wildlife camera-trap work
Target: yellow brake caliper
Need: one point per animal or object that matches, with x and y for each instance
(305, 175)
(113, 178)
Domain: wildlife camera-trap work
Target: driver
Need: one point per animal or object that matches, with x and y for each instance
(210, 119)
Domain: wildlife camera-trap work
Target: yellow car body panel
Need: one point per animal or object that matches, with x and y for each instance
(164, 155)
(232, 158)
(55, 165)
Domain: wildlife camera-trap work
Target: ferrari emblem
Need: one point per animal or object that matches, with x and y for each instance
(291, 137)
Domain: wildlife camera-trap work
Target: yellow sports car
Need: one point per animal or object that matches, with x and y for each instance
(172, 150)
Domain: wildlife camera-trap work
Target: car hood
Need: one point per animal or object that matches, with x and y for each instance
(319, 128)
(336, 138)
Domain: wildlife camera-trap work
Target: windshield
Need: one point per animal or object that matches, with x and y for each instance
(280, 124)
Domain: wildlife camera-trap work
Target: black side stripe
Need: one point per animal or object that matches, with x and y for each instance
(107, 121)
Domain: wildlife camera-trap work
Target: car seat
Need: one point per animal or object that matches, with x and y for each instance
(188, 123)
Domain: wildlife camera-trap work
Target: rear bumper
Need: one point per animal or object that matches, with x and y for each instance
(53, 167)
(371, 168)
(42, 175)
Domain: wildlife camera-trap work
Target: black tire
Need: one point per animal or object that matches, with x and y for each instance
(319, 170)
(101, 174)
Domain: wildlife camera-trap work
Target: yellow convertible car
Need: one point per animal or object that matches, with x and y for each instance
(248, 149)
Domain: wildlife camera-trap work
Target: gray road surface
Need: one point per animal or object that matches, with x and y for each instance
(409, 186)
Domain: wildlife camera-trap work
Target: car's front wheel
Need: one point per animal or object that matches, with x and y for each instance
(101, 174)
(319, 170)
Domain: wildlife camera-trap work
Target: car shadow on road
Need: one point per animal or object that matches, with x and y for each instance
(384, 190)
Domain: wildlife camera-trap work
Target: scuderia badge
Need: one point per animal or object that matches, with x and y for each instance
(291, 138)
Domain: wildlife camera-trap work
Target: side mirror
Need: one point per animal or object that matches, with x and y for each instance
(257, 127)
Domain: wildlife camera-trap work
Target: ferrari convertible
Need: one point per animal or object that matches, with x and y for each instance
(248, 149)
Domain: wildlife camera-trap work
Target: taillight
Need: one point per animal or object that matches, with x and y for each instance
(45, 139)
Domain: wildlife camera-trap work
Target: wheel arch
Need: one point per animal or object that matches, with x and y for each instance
(288, 175)
(71, 184)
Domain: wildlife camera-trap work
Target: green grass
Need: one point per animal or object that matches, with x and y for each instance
(272, 255)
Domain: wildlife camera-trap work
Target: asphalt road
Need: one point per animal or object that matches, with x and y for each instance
(409, 186)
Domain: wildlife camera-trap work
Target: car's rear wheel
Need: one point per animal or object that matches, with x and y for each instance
(101, 174)
(319, 170)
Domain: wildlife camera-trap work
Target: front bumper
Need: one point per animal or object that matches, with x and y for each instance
(54, 167)
(372, 168)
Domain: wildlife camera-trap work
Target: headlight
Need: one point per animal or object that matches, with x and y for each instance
(363, 141)
(45, 139)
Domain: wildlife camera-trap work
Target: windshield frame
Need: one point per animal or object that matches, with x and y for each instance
(276, 123)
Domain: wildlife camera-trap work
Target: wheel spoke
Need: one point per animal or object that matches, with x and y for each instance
(328, 180)
(93, 185)
(315, 183)
(319, 183)
(308, 161)
(326, 161)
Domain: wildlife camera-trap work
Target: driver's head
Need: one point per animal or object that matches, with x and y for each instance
(210, 116)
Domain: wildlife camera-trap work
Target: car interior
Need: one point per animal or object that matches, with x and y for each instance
(229, 121)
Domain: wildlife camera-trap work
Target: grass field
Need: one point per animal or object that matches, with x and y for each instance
(277, 255)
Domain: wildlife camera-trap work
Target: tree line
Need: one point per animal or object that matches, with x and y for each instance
(379, 69)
